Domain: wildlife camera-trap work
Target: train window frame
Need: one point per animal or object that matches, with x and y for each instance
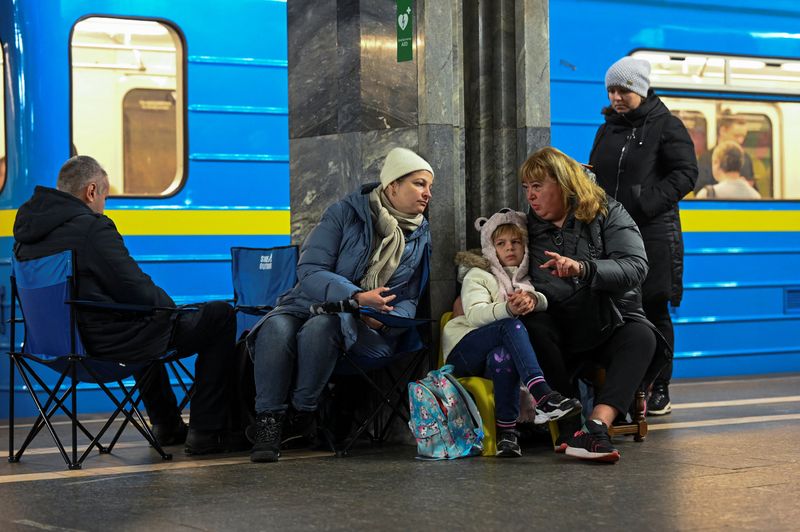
(181, 88)
(741, 94)
(3, 114)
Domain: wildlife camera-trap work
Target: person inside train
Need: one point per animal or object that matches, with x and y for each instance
(644, 158)
(373, 239)
(588, 258)
(731, 184)
(70, 216)
(489, 339)
(729, 129)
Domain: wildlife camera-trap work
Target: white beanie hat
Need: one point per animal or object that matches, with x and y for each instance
(399, 162)
(630, 73)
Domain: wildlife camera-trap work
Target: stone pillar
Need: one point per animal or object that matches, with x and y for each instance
(507, 99)
(350, 102)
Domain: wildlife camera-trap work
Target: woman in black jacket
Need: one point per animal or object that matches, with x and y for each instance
(591, 262)
(644, 158)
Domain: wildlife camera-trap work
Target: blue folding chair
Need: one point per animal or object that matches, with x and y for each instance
(44, 290)
(260, 276)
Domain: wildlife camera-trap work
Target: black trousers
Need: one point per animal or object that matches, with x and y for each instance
(657, 311)
(626, 355)
(211, 333)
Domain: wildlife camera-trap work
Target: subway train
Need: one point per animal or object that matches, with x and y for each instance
(723, 60)
(190, 119)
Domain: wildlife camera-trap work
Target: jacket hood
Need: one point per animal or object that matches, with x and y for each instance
(487, 226)
(47, 209)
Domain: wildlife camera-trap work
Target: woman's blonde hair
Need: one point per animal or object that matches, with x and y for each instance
(579, 191)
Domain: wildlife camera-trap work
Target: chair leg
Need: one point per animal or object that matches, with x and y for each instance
(11, 457)
(73, 385)
(639, 415)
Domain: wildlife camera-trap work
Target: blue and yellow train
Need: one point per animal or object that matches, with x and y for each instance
(185, 103)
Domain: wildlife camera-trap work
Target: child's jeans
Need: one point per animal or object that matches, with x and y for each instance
(502, 352)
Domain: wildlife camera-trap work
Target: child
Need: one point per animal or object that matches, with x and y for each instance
(489, 341)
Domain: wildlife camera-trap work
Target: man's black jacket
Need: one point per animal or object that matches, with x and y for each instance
(53, 221)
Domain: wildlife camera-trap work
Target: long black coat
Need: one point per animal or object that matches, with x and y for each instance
(645, 160)
(53, 221)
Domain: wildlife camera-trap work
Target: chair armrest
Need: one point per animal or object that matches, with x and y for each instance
(127, 307)
(254, 310)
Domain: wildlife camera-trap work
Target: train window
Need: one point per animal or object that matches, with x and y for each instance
(128, 104)
(3, 164)
(761, 127)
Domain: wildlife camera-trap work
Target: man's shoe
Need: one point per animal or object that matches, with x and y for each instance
(555, 406)
(267, 437)
(592, 444)
(205, 442)
(507, 445)
(658, 404)
(170, 433)
(298, 425)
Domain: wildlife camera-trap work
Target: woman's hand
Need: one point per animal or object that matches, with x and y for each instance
(374, 299)
(521, 303)
(561, 266)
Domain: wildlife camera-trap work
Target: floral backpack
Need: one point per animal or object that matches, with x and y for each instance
(444, 419)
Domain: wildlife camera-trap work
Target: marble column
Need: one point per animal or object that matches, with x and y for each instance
(507, 99)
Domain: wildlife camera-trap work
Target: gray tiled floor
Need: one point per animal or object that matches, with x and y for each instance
(696, 471)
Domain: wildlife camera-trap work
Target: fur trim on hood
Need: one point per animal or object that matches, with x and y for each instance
(487, 226)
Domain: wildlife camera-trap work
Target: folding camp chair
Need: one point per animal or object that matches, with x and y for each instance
(260, 275)
(44, 289)
(387, 378)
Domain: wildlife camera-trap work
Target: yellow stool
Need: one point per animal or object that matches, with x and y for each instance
(482, 391)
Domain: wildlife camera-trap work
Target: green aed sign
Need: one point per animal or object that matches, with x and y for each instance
(405, 30)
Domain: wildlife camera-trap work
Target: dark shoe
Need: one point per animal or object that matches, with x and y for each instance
(555, 406)
(170, 433)
(205, 442)
(592, 444)
(299, 425)
(507, 445)
(658, 404)
(267, 444)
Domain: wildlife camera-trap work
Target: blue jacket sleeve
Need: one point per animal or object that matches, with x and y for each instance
(318, 258)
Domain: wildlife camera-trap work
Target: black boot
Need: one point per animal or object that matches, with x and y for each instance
(267, 444)
(299, 427)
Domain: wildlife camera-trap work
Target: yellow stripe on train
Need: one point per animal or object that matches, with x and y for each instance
(186, 222)
(739, 221)
(261, 222)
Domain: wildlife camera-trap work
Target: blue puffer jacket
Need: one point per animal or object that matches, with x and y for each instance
(334, 258)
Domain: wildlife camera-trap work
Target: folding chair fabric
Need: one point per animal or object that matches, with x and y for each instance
(260, 276)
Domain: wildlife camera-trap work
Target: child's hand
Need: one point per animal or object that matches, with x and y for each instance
(521, 303)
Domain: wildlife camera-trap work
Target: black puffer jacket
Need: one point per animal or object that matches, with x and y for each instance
(53, 221)
(612, 249)
(645, 160)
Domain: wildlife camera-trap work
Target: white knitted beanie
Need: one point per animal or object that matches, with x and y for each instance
(399, 162)
(630, 73)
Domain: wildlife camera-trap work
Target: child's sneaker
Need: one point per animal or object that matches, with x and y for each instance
(592, 444)
(507, 445)
(555, 406)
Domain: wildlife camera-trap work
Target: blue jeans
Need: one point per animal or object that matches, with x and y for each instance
(295, 357)
(502, 352)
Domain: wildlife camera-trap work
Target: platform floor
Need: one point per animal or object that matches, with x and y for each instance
(728, 457)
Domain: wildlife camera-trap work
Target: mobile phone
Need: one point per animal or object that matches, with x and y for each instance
(398, 290)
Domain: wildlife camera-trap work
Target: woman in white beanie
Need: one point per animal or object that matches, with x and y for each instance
(373, 239)
(644, 158)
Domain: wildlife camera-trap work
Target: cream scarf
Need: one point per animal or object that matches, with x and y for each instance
(388, 240)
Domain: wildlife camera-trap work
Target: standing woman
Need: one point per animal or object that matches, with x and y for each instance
(644, 158)
(373, 239)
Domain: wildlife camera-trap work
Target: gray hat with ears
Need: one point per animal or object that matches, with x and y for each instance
(630, 73)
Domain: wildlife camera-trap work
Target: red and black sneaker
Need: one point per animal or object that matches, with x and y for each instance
(593, 443)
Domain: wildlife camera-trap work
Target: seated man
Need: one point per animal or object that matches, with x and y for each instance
(71, 217)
